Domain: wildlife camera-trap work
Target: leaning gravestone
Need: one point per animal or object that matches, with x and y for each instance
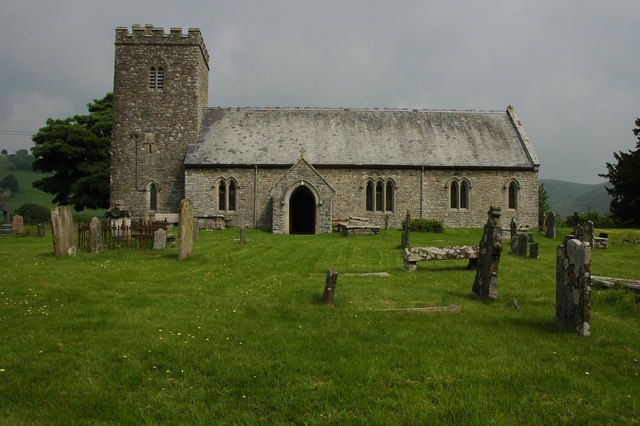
(513, 229)
(330, 287)
(406, 231)
(17, 224)
(95, 236)
(573, 291)
(41, 230)
(522, 240)
(159, 239)
(532, 237)
(485, 285)
(550, 221)
(62, 230)
(185, 230)
(584, 232)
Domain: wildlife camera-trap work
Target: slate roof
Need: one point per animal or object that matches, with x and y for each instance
(361, 137)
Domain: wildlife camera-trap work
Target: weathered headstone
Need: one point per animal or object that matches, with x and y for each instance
(330, 286)
(534, 250)
(5, 227)
(406, 231)
(386, 221)
(522, 240)
(573, 291)
(17, 224)
(550, 221)
(243, 235)
(532, 237)
(41, 230)
(159, 239)
(63, 231)
(185, 230)
(95, 236)
(513, 228)
(584, 232)
(485, 285)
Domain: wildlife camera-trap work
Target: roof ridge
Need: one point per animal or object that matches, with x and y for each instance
(359, 109)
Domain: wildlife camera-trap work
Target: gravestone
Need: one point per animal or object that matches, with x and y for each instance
(522, 240)
(584, 232)
(534, 250)
(17, 224)
(485, 285)
(63, 230)
(532, 237)
(550, 221)
(386, 221)
(159, 239)
(95, 236)
(186, 230)
(243, 235)
(41, 230)
(406, 231)
(330, 287)
(513, 228)
(573, 290)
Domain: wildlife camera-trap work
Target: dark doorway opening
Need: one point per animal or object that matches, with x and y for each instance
(302, 212)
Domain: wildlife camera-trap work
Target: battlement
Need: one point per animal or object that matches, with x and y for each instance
(149, 35)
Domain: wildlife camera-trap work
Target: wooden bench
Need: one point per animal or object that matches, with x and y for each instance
(411, 256)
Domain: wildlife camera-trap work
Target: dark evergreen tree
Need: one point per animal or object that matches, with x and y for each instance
(76, 151)
(543, 204)
(624, 180)
(10, 182)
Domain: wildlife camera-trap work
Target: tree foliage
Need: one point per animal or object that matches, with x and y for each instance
(20, 160)
(543, 204)
(76, 151)
(10, 182)
(33, 213)
(624, 182)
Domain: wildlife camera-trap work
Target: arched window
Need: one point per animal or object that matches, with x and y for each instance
(156, 78)
(464, 194)
(513, 195)
(222, 195)
(152, 78)
(379, 196)
(232, 195)
(389, 197)
(454, 194)
(153, 197)
(369, 196)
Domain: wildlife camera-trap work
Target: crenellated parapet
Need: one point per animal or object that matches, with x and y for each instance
(149, 35)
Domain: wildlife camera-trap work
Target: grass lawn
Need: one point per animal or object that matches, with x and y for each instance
(26, 192)
(236, 335)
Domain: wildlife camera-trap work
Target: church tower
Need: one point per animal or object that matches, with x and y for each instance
(160, 93)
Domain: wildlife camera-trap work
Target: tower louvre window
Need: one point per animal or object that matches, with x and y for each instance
(156, 78)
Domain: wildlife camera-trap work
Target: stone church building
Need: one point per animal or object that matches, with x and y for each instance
(295, 170)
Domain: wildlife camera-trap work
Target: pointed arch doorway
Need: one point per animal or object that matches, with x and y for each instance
(302, 211)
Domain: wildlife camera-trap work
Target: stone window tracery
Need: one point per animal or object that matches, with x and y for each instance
(459, 191)
(156, 78)
(227, 194)
(380, 195)
(152, 190)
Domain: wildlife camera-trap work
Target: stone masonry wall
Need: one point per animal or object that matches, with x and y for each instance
(488, 187)
(152, 127)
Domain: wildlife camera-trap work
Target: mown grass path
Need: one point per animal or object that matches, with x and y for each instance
(236, 335)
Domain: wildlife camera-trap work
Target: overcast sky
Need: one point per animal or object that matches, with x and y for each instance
(571, 68)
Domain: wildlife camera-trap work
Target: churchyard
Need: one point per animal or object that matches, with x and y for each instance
(238, 333)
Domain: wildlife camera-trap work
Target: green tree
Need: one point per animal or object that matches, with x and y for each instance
(76, 151)
(10, 182)
(624, 183)
(4, 152)
(20, 160)
(33, 213)
(543, 204)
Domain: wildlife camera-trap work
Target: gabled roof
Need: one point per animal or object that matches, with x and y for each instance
(361, 137)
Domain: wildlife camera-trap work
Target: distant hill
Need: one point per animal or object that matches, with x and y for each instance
(568, 197)
(26, 193)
